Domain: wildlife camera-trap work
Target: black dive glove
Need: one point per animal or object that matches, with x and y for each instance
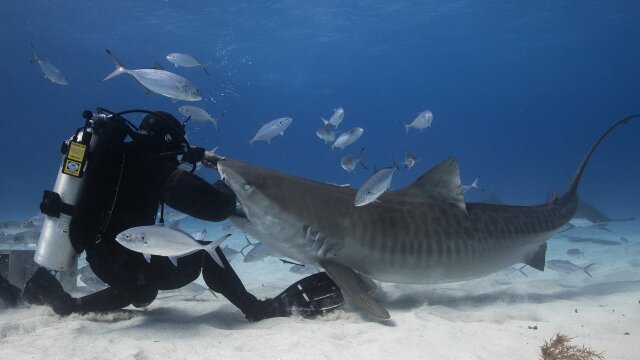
(311, 296)
(194, 155)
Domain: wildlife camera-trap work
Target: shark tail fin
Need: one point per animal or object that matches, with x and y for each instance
(537, 261)
(211, 249)
(573, 187)
(120, 69)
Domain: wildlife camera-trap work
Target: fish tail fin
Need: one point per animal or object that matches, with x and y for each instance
(204, 67)
(324, 121)
(211, 249)
(36, 58)
(214, 120)
(362, 164)
(573, 187)
(588, 268)
(406, 127)
(120, 69)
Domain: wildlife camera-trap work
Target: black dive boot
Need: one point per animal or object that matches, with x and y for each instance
(312, 296)
(44, 288)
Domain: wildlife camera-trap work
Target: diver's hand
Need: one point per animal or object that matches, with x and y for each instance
(211, 159)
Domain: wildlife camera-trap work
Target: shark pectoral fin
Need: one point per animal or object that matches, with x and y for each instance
(174, 260)
(147, 257)
(351, 284)
(537, 261)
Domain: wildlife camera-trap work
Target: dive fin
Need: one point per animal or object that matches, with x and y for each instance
(537, 261)
(351, 283)
(311, 296)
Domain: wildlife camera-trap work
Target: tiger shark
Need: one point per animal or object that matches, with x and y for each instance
(424, 233)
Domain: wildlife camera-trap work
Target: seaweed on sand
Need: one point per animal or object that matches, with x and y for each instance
(558, 348)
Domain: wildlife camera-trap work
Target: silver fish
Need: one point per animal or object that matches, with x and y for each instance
(326, 133)
(336, 118)
(348, 137)
(409, 160)
(575, 253)
(159, 81)
(419, 234)
(165, 241)
(196, 113)
(568, 267)
(50, 72)
(33, 222)
(272, 129)
(375, 185)
(350, 161)
(29, 237)
(186, 60)
(422, 121)
(259, 252)
(11, 227)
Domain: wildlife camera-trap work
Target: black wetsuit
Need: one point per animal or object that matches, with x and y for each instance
(146, 180)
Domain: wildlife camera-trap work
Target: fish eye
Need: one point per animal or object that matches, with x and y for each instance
(246, 187)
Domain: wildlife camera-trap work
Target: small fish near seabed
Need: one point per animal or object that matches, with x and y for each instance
(409, 160)
(49, 70)
(336, 118)
(568, 267)
(199, 114)
(259, 252)
(375, 185)
(165, 241)
(421, 122)
(350, 161)
(159, 81)
(326, 133)
(347, 138)
(272, 129)
(186, 60)
(575, 253)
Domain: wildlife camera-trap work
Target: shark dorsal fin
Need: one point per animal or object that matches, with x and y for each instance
(440, 183)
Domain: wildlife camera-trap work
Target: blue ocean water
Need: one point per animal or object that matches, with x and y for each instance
(519, 90)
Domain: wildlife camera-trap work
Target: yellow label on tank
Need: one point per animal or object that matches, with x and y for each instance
(77, 151)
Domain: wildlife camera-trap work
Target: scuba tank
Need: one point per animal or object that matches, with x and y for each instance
(78, 210)
(54, 249)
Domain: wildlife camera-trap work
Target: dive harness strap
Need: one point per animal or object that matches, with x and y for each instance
(52, 205)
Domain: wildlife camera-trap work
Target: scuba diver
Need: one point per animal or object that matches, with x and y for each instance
(126, 183)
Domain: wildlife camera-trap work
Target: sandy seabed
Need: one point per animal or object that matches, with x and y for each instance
(502, 316)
